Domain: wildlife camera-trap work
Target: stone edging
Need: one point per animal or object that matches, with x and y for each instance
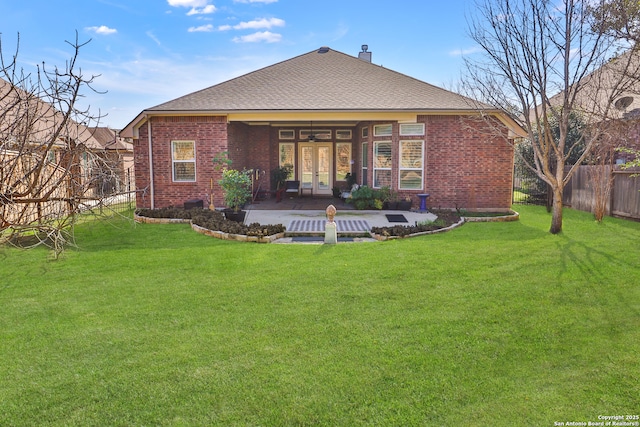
(147, 220)
(511, 216)
(238, 237)
(212, 233)
(422, 233)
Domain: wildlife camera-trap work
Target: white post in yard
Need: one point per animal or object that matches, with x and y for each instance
(330, 229)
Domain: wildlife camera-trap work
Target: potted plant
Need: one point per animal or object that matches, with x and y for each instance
(278, 178)
(237, 190)
(388, 197)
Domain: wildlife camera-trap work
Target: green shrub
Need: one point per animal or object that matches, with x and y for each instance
(366, 198)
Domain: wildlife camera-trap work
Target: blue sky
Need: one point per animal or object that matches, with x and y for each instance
(150, 51)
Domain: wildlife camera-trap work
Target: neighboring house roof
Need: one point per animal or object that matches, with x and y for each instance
(109, 139)
(610, 92)
(24, 114)
(321, 81)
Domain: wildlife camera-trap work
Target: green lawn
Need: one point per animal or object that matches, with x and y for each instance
(491, 324)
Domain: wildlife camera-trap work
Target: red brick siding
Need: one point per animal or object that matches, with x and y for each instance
(466, 166)
(210, 136)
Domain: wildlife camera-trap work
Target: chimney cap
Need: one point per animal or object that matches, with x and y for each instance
(365, 47)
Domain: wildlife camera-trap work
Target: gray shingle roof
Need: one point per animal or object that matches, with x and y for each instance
(320, 81)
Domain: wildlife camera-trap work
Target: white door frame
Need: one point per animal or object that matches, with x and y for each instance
(316, 172)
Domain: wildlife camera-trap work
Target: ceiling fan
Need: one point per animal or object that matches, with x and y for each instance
(311, 137)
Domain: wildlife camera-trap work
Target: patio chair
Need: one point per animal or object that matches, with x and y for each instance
(292, 188)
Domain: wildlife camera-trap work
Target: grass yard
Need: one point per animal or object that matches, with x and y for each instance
(491, 324)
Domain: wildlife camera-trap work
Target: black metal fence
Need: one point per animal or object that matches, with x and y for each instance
(529, 189)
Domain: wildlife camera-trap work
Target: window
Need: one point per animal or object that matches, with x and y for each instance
(365, 162)
(51, 156)
(317, 133)
(407, 129)
(382, 130)
(411, 165)
(183, 157)
(365, 132)
(343, 160)
(287, 155)
(343, 134)
(287, 134)
(382, 164)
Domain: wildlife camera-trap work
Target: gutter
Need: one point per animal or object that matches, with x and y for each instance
(151, 185)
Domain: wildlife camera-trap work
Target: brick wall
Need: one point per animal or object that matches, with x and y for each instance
(210, 136)
(250, 148)
(468, 166)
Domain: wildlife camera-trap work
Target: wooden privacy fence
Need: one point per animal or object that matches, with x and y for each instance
(623, 200)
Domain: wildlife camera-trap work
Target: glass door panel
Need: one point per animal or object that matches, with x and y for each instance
(324, 169)
(306, 166)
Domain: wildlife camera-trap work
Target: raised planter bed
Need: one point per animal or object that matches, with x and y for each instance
(447, 220)
(493, 217)
(205, 222)
(386, 235)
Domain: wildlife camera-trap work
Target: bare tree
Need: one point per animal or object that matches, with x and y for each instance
(542, 62)
(45, 150)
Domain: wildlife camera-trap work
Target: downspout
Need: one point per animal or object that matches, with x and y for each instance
(151, 186)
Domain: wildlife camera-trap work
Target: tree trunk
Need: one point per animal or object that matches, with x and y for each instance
(556, 218)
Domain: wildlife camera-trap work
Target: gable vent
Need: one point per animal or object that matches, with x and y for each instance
(323, 49)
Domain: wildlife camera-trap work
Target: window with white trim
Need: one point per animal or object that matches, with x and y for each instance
(316, 133)
(383, 130)
(287, 134)
(183, 158)
(343, 160)
(343, 134)
(287, 156)
(365, 162)
(365, 132)
(411, 168)
(381, 164)
(409, 129)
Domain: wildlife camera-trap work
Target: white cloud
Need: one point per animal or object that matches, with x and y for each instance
(255, 24)
(188, 3)
(263, 36)
(255, 1)
(201, 29)
(198, 7)
(203, 11)
(102, 29)
(260, 23)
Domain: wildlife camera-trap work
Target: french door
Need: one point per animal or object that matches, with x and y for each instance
(315, 167)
